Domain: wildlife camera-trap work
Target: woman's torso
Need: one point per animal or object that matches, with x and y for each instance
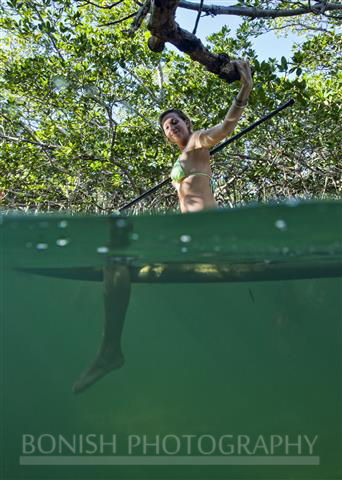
(195, 191)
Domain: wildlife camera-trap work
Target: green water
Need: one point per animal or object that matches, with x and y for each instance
(233, 328)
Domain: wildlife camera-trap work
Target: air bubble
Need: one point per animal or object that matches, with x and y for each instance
(134, 236)
(62, 242)
(63, 224)
(121, 223)
(184, 249)
(281, 224)
(41, 246)
(185, 238)
(102, 250)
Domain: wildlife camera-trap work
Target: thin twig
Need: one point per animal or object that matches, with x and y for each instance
(143, 85)
(304, 27)
(52, 38)
(161, 81)
(107, 7)
(118, 21)
(14, 139)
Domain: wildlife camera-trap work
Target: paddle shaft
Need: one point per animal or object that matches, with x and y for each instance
(219, 147)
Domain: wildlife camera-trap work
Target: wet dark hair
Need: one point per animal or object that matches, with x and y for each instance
(179, 113)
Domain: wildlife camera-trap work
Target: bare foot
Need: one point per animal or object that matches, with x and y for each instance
(103, 364)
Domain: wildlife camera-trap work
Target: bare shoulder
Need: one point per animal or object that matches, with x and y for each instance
(207, 138)
(196, 140)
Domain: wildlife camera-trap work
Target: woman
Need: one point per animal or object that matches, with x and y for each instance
(191, 174)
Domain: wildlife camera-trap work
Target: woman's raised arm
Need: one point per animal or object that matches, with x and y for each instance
(210, 137)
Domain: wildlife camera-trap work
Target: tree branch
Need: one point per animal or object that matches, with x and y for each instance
(253, 12)
(198, 18)
(164, 29)
(139, 18)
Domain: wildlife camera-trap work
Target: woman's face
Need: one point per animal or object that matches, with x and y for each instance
(176, 129)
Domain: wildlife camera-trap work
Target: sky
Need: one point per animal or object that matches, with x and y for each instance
(266, 46)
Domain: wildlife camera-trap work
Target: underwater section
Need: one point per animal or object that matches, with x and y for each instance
(195, 346)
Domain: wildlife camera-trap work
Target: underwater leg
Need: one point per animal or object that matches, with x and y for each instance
(117, 289)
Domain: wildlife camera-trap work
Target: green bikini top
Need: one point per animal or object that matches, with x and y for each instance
(178, 174)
